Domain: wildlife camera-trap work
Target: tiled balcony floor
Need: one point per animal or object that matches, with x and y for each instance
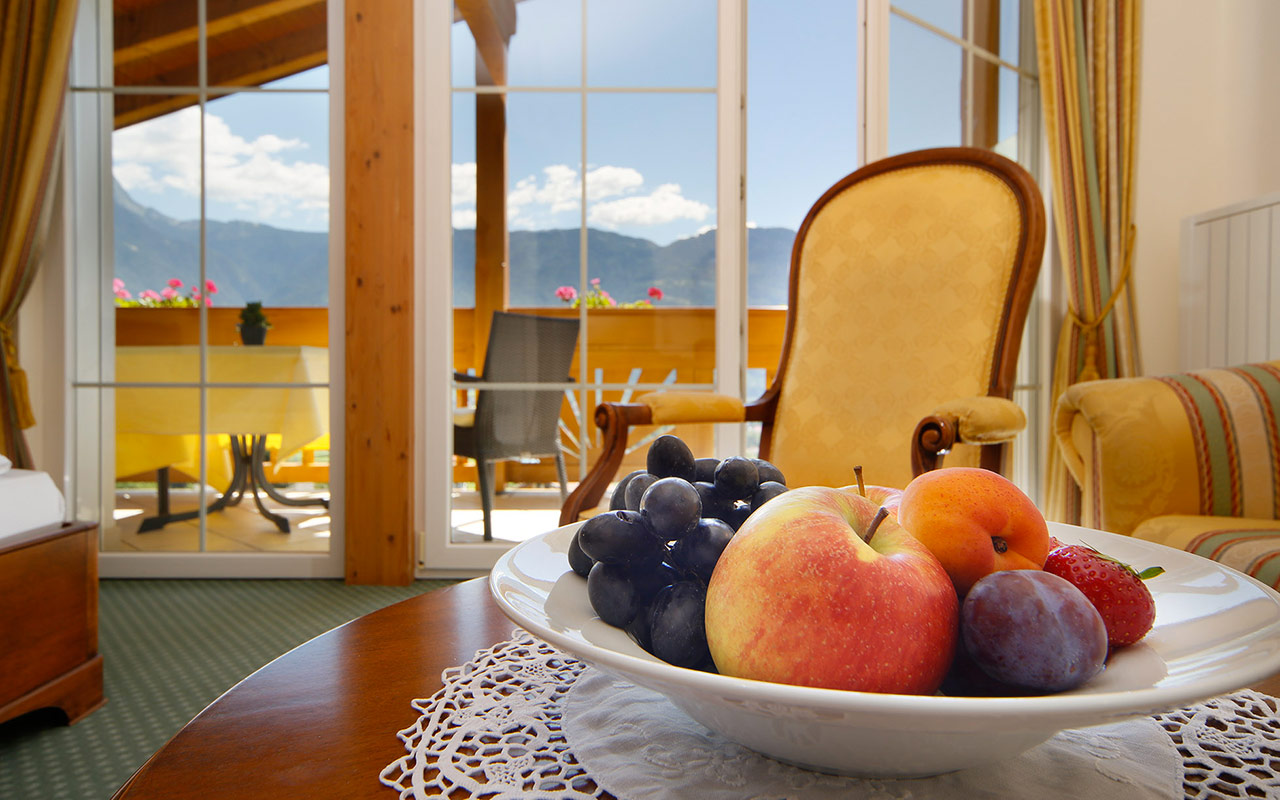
(518, 515)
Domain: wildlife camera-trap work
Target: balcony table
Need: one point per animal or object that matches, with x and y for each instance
(157, 427)
(320, 721)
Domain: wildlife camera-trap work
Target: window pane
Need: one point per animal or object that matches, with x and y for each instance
(546, 49)
(249, 44)
(945, 14)
(802, 128)
(655, 43)
(154, 49)
(156, 242)
(157, 490)
(924, 88)
(267, 199)
(544, 195)
(462, 50)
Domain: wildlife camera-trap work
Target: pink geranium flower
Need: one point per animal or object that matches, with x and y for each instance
(211, 287)
(117, 285)
(655, 292)
(168, 293)
(567, 293)
(175, 283)
(148, 294)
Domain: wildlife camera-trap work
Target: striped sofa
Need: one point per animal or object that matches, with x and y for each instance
(1190, 460)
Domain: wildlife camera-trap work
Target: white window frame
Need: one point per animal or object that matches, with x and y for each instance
(437, 554)
(88, 244)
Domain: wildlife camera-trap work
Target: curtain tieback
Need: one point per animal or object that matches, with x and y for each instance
(1089, 370)
(17, 378)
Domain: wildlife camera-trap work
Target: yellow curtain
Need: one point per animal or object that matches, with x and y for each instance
(1088, 56)
(34, 52)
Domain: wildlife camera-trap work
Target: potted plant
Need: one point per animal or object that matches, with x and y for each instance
(253, 324)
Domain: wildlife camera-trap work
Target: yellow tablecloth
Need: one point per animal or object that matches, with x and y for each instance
(158, 427)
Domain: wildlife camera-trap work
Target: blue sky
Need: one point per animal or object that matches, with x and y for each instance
(650, 157)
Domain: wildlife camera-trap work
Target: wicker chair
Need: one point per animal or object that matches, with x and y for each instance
(910, 284)
(516, 423)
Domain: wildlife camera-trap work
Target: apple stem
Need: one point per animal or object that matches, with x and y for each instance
(862, 487)
(881, 513)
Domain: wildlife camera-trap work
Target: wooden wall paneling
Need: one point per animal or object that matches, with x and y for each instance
(379, 482)
(1237, 289)
(1193, 301)
(1259, 319)
(1273, 253)
(1216, 340)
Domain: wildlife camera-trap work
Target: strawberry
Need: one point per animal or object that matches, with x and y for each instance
(1115, 589)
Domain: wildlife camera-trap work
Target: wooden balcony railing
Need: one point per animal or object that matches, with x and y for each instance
(623, 346)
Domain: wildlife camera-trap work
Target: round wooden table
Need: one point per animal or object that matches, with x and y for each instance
(321, 720)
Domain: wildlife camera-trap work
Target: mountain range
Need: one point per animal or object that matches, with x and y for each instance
(251, 261)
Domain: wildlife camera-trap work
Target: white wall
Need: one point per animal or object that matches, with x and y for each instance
(1209, 115)
(42, 353)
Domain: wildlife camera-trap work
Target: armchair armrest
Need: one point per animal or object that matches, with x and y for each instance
(656, 408)
(981, 420)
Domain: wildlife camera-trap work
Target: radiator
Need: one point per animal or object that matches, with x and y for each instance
(1230, 290)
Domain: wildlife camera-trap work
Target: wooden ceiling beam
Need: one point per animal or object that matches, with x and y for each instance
(146, 32)
(252, 65)
(492, 24)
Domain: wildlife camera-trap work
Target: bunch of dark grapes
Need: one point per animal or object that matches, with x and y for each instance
(648, 558)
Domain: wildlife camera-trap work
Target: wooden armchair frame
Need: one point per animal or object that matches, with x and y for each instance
(936, 434)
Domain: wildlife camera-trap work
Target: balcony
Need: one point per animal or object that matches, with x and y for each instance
(624, 346)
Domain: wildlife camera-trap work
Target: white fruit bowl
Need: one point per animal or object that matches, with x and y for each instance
(1216, 631)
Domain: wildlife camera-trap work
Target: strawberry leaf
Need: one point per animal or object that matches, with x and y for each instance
(1151, 572)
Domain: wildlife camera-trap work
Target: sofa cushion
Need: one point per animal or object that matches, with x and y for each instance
(1197, 443)
(1251, 546)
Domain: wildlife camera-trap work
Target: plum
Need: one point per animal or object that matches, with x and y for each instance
(1033, 630)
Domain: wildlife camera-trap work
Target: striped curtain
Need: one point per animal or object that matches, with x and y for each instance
(1088, 57)
(35, 48)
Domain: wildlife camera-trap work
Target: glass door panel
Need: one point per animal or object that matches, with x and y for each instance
(615, 230)
(158, 491)
(802, 136)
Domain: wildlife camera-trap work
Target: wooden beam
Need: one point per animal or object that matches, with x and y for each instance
(253, 65)
(142, 34)
(379, 484)
(492, 24)
(985, 130)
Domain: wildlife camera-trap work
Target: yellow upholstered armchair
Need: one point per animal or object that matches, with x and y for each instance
(910, 283)
(1190, 460)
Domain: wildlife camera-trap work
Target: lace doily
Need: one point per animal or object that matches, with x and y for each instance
(523, 720)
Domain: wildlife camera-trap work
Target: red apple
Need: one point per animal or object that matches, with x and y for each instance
(975, 522)
(811, 593)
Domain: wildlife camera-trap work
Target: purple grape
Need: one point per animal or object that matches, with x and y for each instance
(700, 549)
(620, 537)
(767, 491)
(676, 625)
(672, 507)
(737, 478)
(1033, 630)
(618, 500)
(670, 457)
(616, 593)
(579, 561)
(713, 504)
(738, 514)
(769, 472)
(635, 489)
(704, 470)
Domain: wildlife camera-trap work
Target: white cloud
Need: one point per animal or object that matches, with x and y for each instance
(249, 175)
(665, 204)
(463, 185)
(612, 196)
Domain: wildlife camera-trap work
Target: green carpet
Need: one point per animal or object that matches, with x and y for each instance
(169, 648)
